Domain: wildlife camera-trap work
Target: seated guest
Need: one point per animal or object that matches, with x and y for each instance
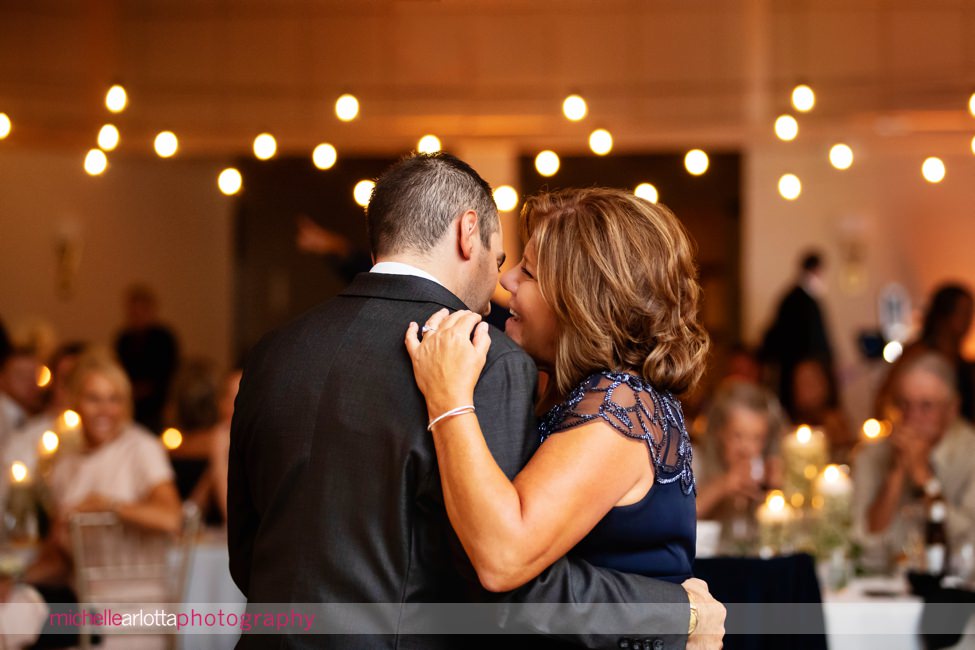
(220, 451)
(930, 451)
(194, 410)
(122, 468)
(738, 460)
(814, 405)
(20, 396)
(946, 323)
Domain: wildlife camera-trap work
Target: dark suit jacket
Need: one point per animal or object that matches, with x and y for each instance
(334, 492)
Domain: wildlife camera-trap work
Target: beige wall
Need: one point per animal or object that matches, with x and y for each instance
(911, 232)
(154, 221)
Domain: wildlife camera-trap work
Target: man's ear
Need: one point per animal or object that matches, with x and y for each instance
(467, 231)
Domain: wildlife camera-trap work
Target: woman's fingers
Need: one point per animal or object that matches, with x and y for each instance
(412, 339)
(436, 319)
(482, 339)
(462, 322)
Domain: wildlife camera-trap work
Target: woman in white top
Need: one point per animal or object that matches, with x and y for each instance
(122, 468)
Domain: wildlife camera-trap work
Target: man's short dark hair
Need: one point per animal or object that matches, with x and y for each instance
(416, 200)
(812, 261)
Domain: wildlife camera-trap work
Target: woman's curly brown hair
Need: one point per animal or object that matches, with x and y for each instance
(619, 273)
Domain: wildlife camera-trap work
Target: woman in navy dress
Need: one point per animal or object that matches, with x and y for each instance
(606, 302)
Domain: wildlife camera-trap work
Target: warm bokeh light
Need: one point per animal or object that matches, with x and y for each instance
(96, 162)
(601, 142)
(973, 144)
(324, 156)
(574, 108)
(776, 501)
(696, 162)
(547, 163)
(230, 181)
(797, 500)
(172, 438)
(428, 144)
(790, 187)
(804, 434)
(116, 99)
(265, 146)
(50, 442)
(362, 192)
(831, 474)
(166, 144)
(893, 351)
(43, 377)
(347, 107)
(108, 137)
(5, 125)
(647, 192)
(786, 128)
(971, 104)
(933, 170)
(841, 156)
(18, 472)
(71, 419)
(803, 98)
(506, 198)
(872, 428)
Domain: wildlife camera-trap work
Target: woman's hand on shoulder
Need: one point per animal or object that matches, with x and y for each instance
(447, 362)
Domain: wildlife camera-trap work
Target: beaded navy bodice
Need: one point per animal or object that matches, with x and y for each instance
(656, 535)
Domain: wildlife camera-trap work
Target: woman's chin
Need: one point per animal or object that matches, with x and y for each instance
(512, 329)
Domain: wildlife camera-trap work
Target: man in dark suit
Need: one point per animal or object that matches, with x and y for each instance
(334, 493)
(799, 333)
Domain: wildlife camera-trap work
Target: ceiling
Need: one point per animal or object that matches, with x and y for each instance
(657, 73)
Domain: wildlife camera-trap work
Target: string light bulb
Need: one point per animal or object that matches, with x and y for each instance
(803, 98)
(696, 162)
(108, 137)
(933, 170)
(428, 144)
(601, 142)
(166, 144)
(265, 146)
(324, 156)
(96, 162)
(786, 128)
(116, 99)
(647, 192)
(790, 187)
(506, 198)
(547, 163)
(5, 125)
(347, 107)
(230, 181)
(574, 108)
(841, 156)
(362, 192)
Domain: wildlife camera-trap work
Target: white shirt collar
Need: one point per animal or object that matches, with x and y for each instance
(398, 268)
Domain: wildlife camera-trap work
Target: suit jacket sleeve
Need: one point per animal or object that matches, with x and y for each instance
(506, 391)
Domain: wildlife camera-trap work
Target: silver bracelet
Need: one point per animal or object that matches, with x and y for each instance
(451, 413)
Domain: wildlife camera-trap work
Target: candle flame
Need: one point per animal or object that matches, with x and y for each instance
(804, 434)
(172, 438)
(872, 429)
(831, 474)
(18, 471)
(71, 419)
(50, 442)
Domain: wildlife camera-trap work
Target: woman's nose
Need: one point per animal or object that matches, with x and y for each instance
(508, 279)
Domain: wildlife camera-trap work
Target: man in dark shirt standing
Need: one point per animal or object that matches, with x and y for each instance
(149, 353)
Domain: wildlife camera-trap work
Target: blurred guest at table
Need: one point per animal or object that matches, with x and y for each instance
(814, 405)
(122, 468)
(20, 395)
(195, 412)
(930, 452)
(220, 451)
(799, 333)
(149, 353)
(743, 365)
(23, 444)
(946, 323)
(738, 460)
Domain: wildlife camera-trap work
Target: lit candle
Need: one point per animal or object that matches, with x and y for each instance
(774, 518)
(803, 453)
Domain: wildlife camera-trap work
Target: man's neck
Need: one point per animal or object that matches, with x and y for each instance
(423, 264)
